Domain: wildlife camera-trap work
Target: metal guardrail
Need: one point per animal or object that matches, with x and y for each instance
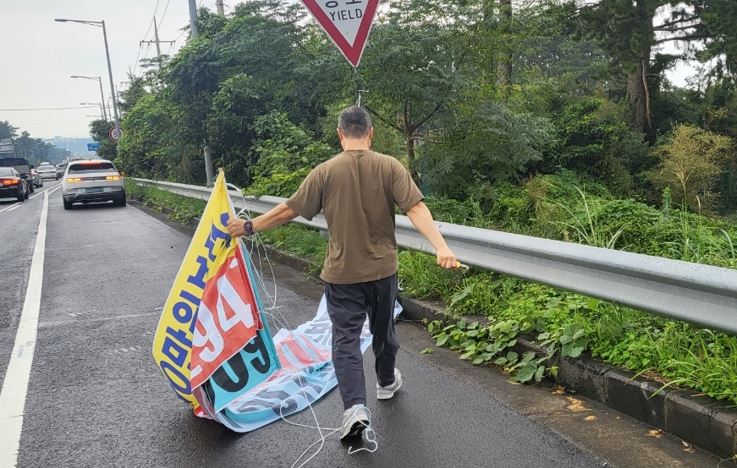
(700, 294)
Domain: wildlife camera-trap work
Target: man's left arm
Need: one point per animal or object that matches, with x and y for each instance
(280, 214)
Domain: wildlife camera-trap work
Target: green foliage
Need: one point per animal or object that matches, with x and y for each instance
(297, 240)
(594, 139)
(483, 144)
(179, 208)
(690, 164)
(35, 150)
(285, 155)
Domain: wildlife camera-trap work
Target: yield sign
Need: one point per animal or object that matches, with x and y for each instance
(347, 22)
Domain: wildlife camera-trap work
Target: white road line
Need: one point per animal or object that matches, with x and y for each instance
(18, 374)
(18, 205)
(49, 191)
(11, 207)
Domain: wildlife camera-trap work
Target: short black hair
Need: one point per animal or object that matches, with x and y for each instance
(355, 122)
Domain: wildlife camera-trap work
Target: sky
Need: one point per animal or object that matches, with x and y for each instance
(39, 55)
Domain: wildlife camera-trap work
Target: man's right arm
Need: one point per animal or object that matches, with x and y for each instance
(421, 218)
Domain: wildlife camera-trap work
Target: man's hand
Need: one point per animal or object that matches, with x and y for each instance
(446, 258)
(236, 227)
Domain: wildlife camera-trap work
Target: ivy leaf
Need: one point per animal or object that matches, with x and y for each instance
(539, 373)
(442, 339)
(525, 373)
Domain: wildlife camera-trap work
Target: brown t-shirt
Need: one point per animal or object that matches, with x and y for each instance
(357, 191)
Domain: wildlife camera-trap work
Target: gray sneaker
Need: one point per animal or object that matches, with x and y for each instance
(387, 393)
(355, 420)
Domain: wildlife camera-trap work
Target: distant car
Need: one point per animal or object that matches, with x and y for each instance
(92, 181)
(36, 179)
(12, 184)
(47, 171)
(22, 166)
(60, 168)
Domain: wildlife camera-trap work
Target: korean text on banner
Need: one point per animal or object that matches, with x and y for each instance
(211, 244)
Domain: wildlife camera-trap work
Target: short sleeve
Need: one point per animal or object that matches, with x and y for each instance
(405, 192)
(307, 200)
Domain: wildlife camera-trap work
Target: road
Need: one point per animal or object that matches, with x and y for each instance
(95, 397)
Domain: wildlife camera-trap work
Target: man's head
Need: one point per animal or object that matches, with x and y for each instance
(354, 128)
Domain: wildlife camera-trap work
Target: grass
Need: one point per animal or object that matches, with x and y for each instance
(181, 209)
(565, 323)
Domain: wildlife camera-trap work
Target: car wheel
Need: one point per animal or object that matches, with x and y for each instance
(21, 196)
(121, 200)
(67, 205)
(30, 188)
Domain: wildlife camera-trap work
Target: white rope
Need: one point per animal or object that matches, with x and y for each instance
(272, 310)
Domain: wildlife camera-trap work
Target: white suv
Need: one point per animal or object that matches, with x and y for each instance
(92, 181)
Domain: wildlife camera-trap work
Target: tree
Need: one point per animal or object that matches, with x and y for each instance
(7, 130)
(414, 68)
(690, 163)
(482, 144)
(630, 30)
(99, 131)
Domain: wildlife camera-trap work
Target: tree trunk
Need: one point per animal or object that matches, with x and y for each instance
(504, 60)
(638, 92)
(411, 142)
(638, 95)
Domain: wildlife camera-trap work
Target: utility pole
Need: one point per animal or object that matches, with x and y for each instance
(112, 83)
(206, 151)
(158, 43)
(193, 18)
(221, 7)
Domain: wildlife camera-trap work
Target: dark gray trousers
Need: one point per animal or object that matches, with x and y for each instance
(348, 306)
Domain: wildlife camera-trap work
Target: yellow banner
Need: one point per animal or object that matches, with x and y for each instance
(211, 244)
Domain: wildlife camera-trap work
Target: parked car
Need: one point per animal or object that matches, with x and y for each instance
(12, 184)
(92, 181)
(36, 179)
(22, 166)
(47, 171)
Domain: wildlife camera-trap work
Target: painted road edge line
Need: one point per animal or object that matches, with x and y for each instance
(18, 374)
(18, 205)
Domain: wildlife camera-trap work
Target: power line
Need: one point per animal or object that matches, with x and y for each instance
(49, 109)
(138, 56)
(166, 8)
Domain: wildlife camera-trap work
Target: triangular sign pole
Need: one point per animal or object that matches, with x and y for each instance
(347, 22)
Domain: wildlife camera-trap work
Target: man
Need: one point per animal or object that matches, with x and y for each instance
(357, 190)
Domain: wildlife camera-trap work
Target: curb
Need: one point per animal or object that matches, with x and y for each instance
(697, 419)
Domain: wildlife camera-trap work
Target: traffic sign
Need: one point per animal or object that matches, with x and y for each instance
(93, 146)
(114, 133)
(347, 22)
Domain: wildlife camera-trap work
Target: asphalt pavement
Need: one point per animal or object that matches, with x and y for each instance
(96, 398)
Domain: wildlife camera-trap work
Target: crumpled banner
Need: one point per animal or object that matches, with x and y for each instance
(307, 374)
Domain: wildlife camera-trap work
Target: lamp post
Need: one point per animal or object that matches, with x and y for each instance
(102, 95)
(101, 24)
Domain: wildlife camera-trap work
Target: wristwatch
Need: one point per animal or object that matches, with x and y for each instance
(248, 227)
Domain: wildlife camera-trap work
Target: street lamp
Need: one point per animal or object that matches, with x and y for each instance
(101, 24)
(102, 116)
(102, 96)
